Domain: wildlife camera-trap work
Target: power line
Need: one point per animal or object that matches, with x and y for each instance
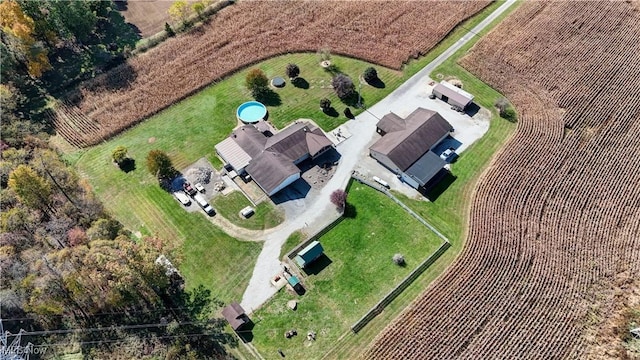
(107, 328)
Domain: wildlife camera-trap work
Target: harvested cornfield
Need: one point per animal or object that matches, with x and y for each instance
(386, 33)
(552, 261)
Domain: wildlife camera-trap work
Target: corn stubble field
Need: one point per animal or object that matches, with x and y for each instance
(242, 34)
(552, 263)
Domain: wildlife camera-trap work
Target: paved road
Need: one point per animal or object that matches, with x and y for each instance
(322, 212)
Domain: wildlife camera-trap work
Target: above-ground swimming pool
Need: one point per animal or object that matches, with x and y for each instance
(251, 112)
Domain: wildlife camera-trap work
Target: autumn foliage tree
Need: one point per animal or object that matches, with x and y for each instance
(257, 82)
(32, 189)
(339, 199)
(159, 164)
(19, 27)
(179, 11)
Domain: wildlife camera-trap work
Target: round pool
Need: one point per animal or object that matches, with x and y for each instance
(251, 112)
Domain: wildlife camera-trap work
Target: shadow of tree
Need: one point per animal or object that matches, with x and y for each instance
(350, 211)
(300, 83)
(127, 165)
(331, 112)
(268, 97)
(377, 83)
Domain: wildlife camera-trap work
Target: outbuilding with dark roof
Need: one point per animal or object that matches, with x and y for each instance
(406, 146)
(236, 316)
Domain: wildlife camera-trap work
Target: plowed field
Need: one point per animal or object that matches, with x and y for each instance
(386, 33)
(553, 249)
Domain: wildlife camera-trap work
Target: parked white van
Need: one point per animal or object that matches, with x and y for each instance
(204, 204)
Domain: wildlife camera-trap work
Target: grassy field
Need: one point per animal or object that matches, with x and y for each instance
(266, 215)
(188, 131)
(358, 271)
(448, 213)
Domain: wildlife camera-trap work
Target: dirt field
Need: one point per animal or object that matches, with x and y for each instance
(381, 32)
(552, 262)
(148, 16)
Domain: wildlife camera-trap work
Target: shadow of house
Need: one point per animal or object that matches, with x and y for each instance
(472, 109)
(439, 186)
(238, 319)
(322, 262)
(296, 190)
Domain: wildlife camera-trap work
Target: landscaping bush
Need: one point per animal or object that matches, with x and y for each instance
(119, 154)
(339, 199)
(256, 80)
(325, 104)
(398, 259)
(370, 75)
(506, 110)
(293, 71)
(343, 85)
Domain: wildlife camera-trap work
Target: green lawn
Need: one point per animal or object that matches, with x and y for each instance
(292, 241)
(266, 215)
(189, 130)
(359, 273)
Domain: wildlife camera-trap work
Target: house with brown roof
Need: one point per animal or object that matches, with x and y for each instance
(236, 316)
(452, 94)
(406, 147)
(271, 159)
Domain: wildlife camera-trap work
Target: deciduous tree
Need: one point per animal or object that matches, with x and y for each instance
(32, 189)
(339, 199)
(179, 11)
(159, 164)
(119, 154)
(293, 71)
(343, 86)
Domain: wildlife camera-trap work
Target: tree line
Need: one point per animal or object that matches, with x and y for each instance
(65, 263)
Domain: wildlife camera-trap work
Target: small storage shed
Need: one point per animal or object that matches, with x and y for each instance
(452, 94)
(236, 316)
(310, 253)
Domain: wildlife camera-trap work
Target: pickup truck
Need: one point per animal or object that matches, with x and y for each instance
(204, 204)
(189, 189)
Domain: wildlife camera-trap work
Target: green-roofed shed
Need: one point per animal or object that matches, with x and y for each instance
(309, 254)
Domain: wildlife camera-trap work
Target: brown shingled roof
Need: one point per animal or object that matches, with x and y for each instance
(235, 315)
(423, 128)
(270, 169)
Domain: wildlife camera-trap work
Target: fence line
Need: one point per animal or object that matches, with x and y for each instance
(292, 254)
(413, 275)
(391, 295)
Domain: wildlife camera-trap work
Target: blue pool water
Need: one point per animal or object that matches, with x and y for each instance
(251, 112)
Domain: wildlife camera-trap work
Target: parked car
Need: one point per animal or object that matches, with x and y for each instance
(182, 197)
(188, 189)
(447, 154)
(199, 187)
(247, 212)
(204, 204)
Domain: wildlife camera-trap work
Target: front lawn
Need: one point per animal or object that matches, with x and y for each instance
(266, 215)
(357, 272)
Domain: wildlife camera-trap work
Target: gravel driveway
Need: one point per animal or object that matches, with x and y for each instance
(314, 215)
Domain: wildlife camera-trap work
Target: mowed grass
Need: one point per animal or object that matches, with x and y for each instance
(449, 212)
(266, 214)
(358, 273)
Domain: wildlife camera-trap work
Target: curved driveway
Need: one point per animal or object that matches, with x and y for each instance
(321, 212)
